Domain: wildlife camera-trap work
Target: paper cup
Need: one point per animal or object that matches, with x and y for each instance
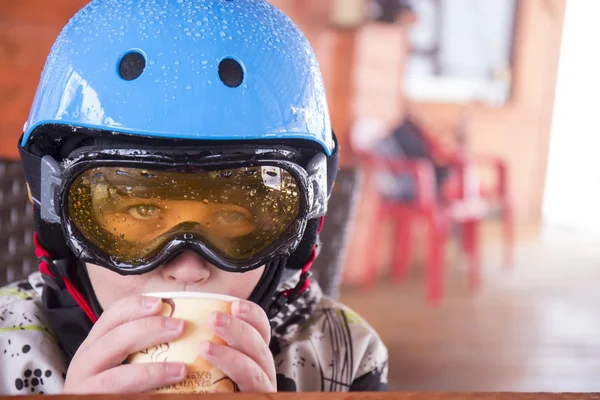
(195, 309)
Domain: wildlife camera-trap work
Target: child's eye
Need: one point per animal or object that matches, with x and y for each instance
(144, 211)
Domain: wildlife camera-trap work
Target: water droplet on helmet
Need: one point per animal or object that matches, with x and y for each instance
(188, 236)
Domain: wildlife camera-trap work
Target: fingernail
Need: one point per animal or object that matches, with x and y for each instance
(241, 307)
(220, 320)
(174, 324)
(150, 302)
(176, 370)
(206, 348)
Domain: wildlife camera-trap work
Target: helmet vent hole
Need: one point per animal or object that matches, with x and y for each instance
(231, 73)
(132, 65)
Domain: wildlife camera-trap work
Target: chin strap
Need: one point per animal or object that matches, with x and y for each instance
(290, 295)
(268, 283)
(54, 275)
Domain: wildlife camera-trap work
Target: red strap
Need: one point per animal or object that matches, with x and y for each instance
(79, 299)
(41, 252)
(311, 260)
(308, 264)
(305, 269)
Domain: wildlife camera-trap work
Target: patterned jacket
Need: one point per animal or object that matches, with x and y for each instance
(318, 345)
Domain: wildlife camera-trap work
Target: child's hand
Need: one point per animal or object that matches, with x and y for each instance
(248, 361)
(129, 326)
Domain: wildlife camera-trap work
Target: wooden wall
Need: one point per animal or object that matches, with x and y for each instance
(27, 30)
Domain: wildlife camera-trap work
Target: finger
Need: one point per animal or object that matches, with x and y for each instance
(114, 347)
(125, 310)
(243, 337)
(240, 368)
(132, 378)
(254, 315)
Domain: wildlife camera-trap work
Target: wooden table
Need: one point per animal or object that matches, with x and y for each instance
(345, 396)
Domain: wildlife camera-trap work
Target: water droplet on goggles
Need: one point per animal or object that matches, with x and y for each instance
(146, 174)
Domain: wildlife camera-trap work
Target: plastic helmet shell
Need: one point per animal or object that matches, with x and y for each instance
(180, 93)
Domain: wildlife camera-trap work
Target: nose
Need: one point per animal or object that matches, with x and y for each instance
(187, 268)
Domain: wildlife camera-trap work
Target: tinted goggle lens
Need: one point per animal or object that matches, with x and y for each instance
(130, 214)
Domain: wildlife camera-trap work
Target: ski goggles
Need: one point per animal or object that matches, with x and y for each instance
(132, 210)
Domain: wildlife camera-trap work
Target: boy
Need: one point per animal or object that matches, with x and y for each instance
(180, 145)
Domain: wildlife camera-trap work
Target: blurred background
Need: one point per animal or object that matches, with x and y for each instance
(464, 222)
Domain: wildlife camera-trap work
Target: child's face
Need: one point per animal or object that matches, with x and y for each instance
(186, 272)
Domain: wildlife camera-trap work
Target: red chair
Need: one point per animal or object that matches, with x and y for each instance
(459, 201)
